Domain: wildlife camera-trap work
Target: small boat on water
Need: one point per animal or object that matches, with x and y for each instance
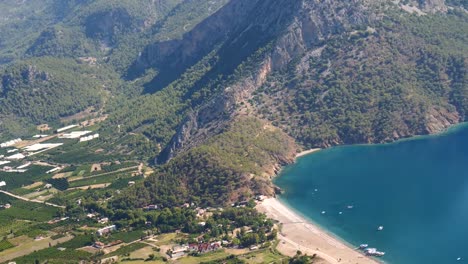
(363, 246)
(350, 206)
(373, 252)
(380, 228)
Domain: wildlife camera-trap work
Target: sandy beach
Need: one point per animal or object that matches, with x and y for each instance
(306, 152)
(299, 234)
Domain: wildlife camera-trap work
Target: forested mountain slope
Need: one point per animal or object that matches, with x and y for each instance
(45, 89)
(85, 41)
(325, 72)
(396, 78)
(224, 91)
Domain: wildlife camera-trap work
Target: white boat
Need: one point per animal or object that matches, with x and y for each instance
(380, 228)
(363, 246)
(374, 252)
(371, 250)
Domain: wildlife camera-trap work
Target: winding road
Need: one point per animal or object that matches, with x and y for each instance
(30, 200)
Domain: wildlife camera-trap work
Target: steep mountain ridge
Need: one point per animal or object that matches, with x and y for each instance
(306, 35)
(286, 34)
(209, 86)
(173, 57)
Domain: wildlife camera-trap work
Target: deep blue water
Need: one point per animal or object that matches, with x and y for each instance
(417, 189)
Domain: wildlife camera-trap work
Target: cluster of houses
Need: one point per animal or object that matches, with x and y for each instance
(201, 248)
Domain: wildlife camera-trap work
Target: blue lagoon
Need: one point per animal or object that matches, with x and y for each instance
(416, 190)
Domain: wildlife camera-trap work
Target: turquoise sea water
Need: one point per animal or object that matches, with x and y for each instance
(417, 189)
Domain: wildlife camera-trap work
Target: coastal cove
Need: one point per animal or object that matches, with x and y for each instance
(415, 188)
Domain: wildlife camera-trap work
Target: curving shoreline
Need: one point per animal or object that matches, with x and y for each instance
(306, 152)
(300, 234)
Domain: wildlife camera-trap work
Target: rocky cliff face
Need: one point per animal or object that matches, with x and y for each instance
(293, 27)
(294, 34)
(174, 56)
(424, 6)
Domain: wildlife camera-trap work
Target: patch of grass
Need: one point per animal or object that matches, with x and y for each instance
(25, 210)
(100, 179)
(77, 154)
(24, 218)
(54, 237)
(53, 255)
(213, 256)
(16, 180)
(11, 226)
(165, 239)
(78, 242)
(263, 256)
(123, 182)
(126, 237)
(5, 244)
(126, 250)
(80, 170)
(23, 191)
(143, 253)
(114, 167)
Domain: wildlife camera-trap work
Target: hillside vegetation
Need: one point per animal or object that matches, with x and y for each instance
(404, 76)
(227, 168)
(216, 93)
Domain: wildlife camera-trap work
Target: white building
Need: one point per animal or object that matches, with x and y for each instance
(88, 138)
(103, 220)
(53, 170)
(74, 134)
(3, 162)
(2, 183)
(41, 146)
(40, 136)
(66, 128)
(24, 165)
(17, 156)
(10, 143)
(106, 230)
